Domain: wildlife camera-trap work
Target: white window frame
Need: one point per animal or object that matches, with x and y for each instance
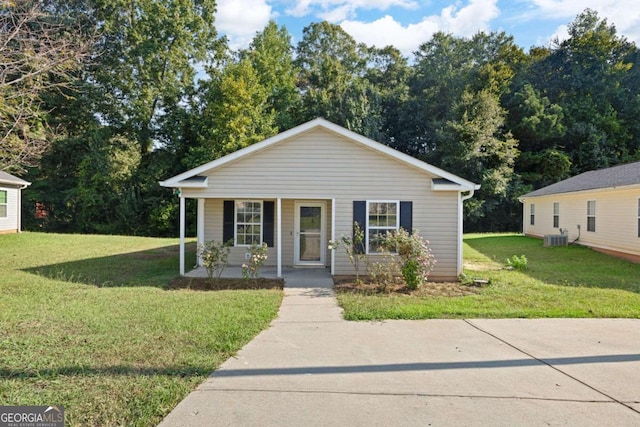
(590, 214)
(556, 214)
(236, 223)
(532, 214)
(377, 227)
(5, 204)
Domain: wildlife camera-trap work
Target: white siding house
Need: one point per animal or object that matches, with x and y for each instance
(600, 209)
(10, 202)
(300, 189)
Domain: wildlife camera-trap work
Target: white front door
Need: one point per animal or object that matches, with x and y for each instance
(309, 246)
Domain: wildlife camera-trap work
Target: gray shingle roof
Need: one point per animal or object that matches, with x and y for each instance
(615, 176)
(7, 178)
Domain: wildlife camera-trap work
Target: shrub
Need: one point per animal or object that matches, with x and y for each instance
(214, 257)
(414, 255)
(354, 247)
(517, 262)
(382, 273)
(256, 260)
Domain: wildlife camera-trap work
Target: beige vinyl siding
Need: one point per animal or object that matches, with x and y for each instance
(321, 165)
(10, 222)
(616, 218)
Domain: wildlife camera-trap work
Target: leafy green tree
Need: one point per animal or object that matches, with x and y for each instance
(148, 51)
(271, 56)
(585, 75)
(477, 147)
(332, 67)
(388, 75)
(235, 114)
(536, 122)
(104, 187)
(542, 168)
(447, 67)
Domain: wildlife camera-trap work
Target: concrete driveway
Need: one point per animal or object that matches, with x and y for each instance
(312, 368)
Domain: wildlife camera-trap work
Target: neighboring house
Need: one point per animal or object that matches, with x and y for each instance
(10, 202)
(302, 188)
(600, 209)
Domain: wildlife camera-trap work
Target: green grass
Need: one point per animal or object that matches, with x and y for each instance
(568, 281)
(86, 322)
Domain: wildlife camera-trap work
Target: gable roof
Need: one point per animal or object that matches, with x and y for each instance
(7, 178)
(615, 176)
(190, 178)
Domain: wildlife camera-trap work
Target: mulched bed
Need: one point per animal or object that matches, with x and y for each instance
(204, 284)
(429, 289)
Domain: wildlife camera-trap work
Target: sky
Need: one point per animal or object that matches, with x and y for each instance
(406, 24)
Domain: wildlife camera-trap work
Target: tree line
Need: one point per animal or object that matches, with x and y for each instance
(107, 97)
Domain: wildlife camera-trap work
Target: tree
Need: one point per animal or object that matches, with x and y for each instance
(234, 114)
(271, 56)
(447, 66)
(332, 67)
(586, 76)
(476, 146)
(388, 75)
(149, 51)
(40, 52)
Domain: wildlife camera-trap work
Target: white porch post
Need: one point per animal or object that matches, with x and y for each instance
(279, 240)
(182, 232)
(200, 225)
(333, 236)
(460, 225)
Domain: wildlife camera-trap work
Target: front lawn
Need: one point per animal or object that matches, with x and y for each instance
(568, 281)
(86, 322)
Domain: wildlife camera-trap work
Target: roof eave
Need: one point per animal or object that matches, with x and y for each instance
(171, 183)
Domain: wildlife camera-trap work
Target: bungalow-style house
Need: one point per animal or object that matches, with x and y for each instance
(10, 202)
(305, 187)
(600, 209)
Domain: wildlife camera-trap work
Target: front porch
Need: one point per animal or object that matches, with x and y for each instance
(297, 231)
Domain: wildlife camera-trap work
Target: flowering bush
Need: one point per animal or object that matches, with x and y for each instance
(353, 246)
(257, 260)
(214, 257)
(414, 255)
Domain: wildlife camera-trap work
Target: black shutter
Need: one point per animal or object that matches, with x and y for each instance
(268, 223)
(228, 213)
(406, 216)
(360, 216)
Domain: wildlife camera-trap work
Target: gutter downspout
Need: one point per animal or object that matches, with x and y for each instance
(524, 214)
(19, 222)
(460, 225)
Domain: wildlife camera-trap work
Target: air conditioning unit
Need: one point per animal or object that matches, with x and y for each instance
(556, 240)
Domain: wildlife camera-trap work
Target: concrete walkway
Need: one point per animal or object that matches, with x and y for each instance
(312, 368)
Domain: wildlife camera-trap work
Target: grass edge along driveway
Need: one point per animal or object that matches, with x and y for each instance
(85, 323)
(571, 281)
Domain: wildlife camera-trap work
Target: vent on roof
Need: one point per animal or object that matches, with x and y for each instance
(556, 240)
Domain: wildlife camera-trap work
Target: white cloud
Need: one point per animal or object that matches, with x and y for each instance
(622, 13)
(560, 34)
(460, 21)
(338, 10)
(239, 20)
